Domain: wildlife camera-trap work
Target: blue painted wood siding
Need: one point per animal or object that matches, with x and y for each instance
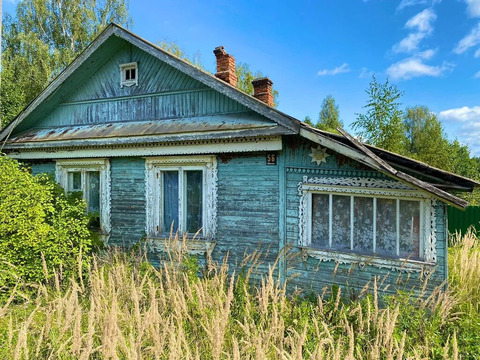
(43, 168)
(247, 210)
(250, 217)
(162, 93)
(311, 274)
(127, 214)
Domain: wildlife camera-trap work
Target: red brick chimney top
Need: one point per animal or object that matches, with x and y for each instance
(225, 66)
(262, 90)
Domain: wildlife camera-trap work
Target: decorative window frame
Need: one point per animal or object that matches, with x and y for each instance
(123, 73)
(367, 187)
(63, 167)
(209, 166)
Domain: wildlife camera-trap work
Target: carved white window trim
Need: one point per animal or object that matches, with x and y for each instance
(63, 167)
(123, 74)
(373, 188)
(155, 164)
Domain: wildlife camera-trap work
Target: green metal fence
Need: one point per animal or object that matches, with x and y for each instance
(460, 221)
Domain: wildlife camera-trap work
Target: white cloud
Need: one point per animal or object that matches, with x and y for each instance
(415, 67)
(422, 21)
(468, 41)
(408, 3)
(473, 8)
(463, 114)
(364, 72)
(426, 54)
(422, 26)
(409, 43)
(344, 68)
(477, 75)
(466, 122)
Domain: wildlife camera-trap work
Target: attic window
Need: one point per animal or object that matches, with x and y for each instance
(129, 74)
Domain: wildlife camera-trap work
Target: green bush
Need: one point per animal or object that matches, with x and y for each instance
(42, 229)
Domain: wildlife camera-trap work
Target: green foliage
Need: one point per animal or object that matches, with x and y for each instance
(174, 49)
(329, 117)
(382, 124)
(426, 139)
(43, 38)
(308, 120)
(42, 229)
(245, 77)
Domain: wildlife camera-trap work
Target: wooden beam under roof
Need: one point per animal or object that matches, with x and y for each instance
(405, 178)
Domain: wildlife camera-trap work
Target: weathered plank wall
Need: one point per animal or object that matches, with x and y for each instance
(127, 200)
(312, 275)
(162, 93)
(43, 167)
(247, 210)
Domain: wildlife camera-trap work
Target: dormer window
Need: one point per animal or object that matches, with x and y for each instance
(129, 74)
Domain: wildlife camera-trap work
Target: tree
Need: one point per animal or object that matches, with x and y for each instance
(42, 229)
(43, 38)
(426, 139)
(382, 124)
(245, 77)
(329, 119)
(174, 49)
(308, 120)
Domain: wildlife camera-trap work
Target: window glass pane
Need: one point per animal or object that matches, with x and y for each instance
(386, 226)
(132, 73)
(93, 191)
(170, 200)
(320, 220)
(363, 224)
(194, 180)
(340, 222)
(74, 181)
(409, 228)
(127, 74)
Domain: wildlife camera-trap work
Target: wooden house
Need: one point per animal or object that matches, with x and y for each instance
(153, 141)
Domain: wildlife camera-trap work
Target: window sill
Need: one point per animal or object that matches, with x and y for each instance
(196, 246)
(402, 265)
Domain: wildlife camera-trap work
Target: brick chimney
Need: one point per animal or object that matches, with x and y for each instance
(225, 66)
(262, 90)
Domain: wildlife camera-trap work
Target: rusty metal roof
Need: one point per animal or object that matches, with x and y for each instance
(208, 124)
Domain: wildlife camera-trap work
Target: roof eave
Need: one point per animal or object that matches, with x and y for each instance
(362, 155)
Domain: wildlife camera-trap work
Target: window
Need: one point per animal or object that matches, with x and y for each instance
(386, 223)
(129, 74)
(91, 178)
(367, 225)
(181, 196)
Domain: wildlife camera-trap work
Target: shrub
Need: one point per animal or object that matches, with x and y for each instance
(42, 229)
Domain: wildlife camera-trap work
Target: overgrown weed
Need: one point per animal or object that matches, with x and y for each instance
(127, 309)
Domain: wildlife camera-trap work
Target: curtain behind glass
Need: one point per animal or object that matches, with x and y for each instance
(194, 200)
(170, 200)
(93, 191)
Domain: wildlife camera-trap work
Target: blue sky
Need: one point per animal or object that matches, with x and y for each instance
(429, 48)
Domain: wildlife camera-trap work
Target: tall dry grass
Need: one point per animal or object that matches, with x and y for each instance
(127, 309)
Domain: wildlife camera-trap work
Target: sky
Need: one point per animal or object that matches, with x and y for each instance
(310, 49)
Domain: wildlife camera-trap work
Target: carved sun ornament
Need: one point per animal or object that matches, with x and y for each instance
(319, 155)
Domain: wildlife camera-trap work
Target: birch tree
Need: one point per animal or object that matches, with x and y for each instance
(43, 38)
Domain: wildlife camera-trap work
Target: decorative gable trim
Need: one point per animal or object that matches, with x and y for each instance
(213, 146)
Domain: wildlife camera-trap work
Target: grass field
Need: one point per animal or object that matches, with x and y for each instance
(124, 308)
